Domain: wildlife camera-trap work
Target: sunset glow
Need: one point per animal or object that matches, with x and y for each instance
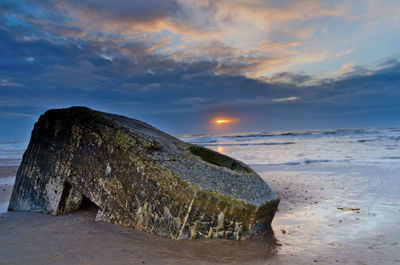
(191, 66)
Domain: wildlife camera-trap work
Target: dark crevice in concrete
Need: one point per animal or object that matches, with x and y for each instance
(64, 198)
(87, 204)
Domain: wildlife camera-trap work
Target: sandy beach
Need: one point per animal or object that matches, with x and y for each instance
(329, 214)
(343, 214)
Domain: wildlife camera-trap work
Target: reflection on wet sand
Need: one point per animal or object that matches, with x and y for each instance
(336, 214)
(76, 238)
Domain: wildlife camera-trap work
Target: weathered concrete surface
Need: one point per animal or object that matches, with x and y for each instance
(140, 177)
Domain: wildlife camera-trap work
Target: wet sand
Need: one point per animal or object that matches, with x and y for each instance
(329, 214)
(336, 214)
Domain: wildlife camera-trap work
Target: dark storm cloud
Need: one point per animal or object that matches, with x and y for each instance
(285, 77)
(83, 65)
(141, 10)
(46, 63)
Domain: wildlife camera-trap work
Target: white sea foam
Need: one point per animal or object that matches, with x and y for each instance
(12, 150)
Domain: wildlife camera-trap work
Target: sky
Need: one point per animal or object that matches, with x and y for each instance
(178, 65)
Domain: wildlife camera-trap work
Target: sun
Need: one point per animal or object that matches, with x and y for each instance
(222, 121)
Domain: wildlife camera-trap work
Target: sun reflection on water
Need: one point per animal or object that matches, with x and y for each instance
(221, 149)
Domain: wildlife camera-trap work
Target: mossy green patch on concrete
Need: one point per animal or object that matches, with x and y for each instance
(123, 140)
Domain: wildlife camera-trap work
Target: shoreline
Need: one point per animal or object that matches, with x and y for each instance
(329, 213)
(7, 177)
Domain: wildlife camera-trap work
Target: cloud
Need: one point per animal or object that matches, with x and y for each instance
(7, 83)
(291, 78)
(252, 38)
(16, 114)
(224, 31)
(183, 60)
(346, 68)
(193, 100)
(285, 99)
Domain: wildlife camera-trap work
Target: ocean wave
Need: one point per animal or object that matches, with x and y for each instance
(201, 140)
(248, 144)
(9, 162)
(309, 161)
(271, 134)
(250, 135)
(292, 163)
(367, 140)
(254, 135)
(12, 149)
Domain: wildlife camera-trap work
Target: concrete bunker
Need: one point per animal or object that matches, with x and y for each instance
(140, 177)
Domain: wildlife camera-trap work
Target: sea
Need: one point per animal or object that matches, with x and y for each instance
(350, 146)
(359, 146)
